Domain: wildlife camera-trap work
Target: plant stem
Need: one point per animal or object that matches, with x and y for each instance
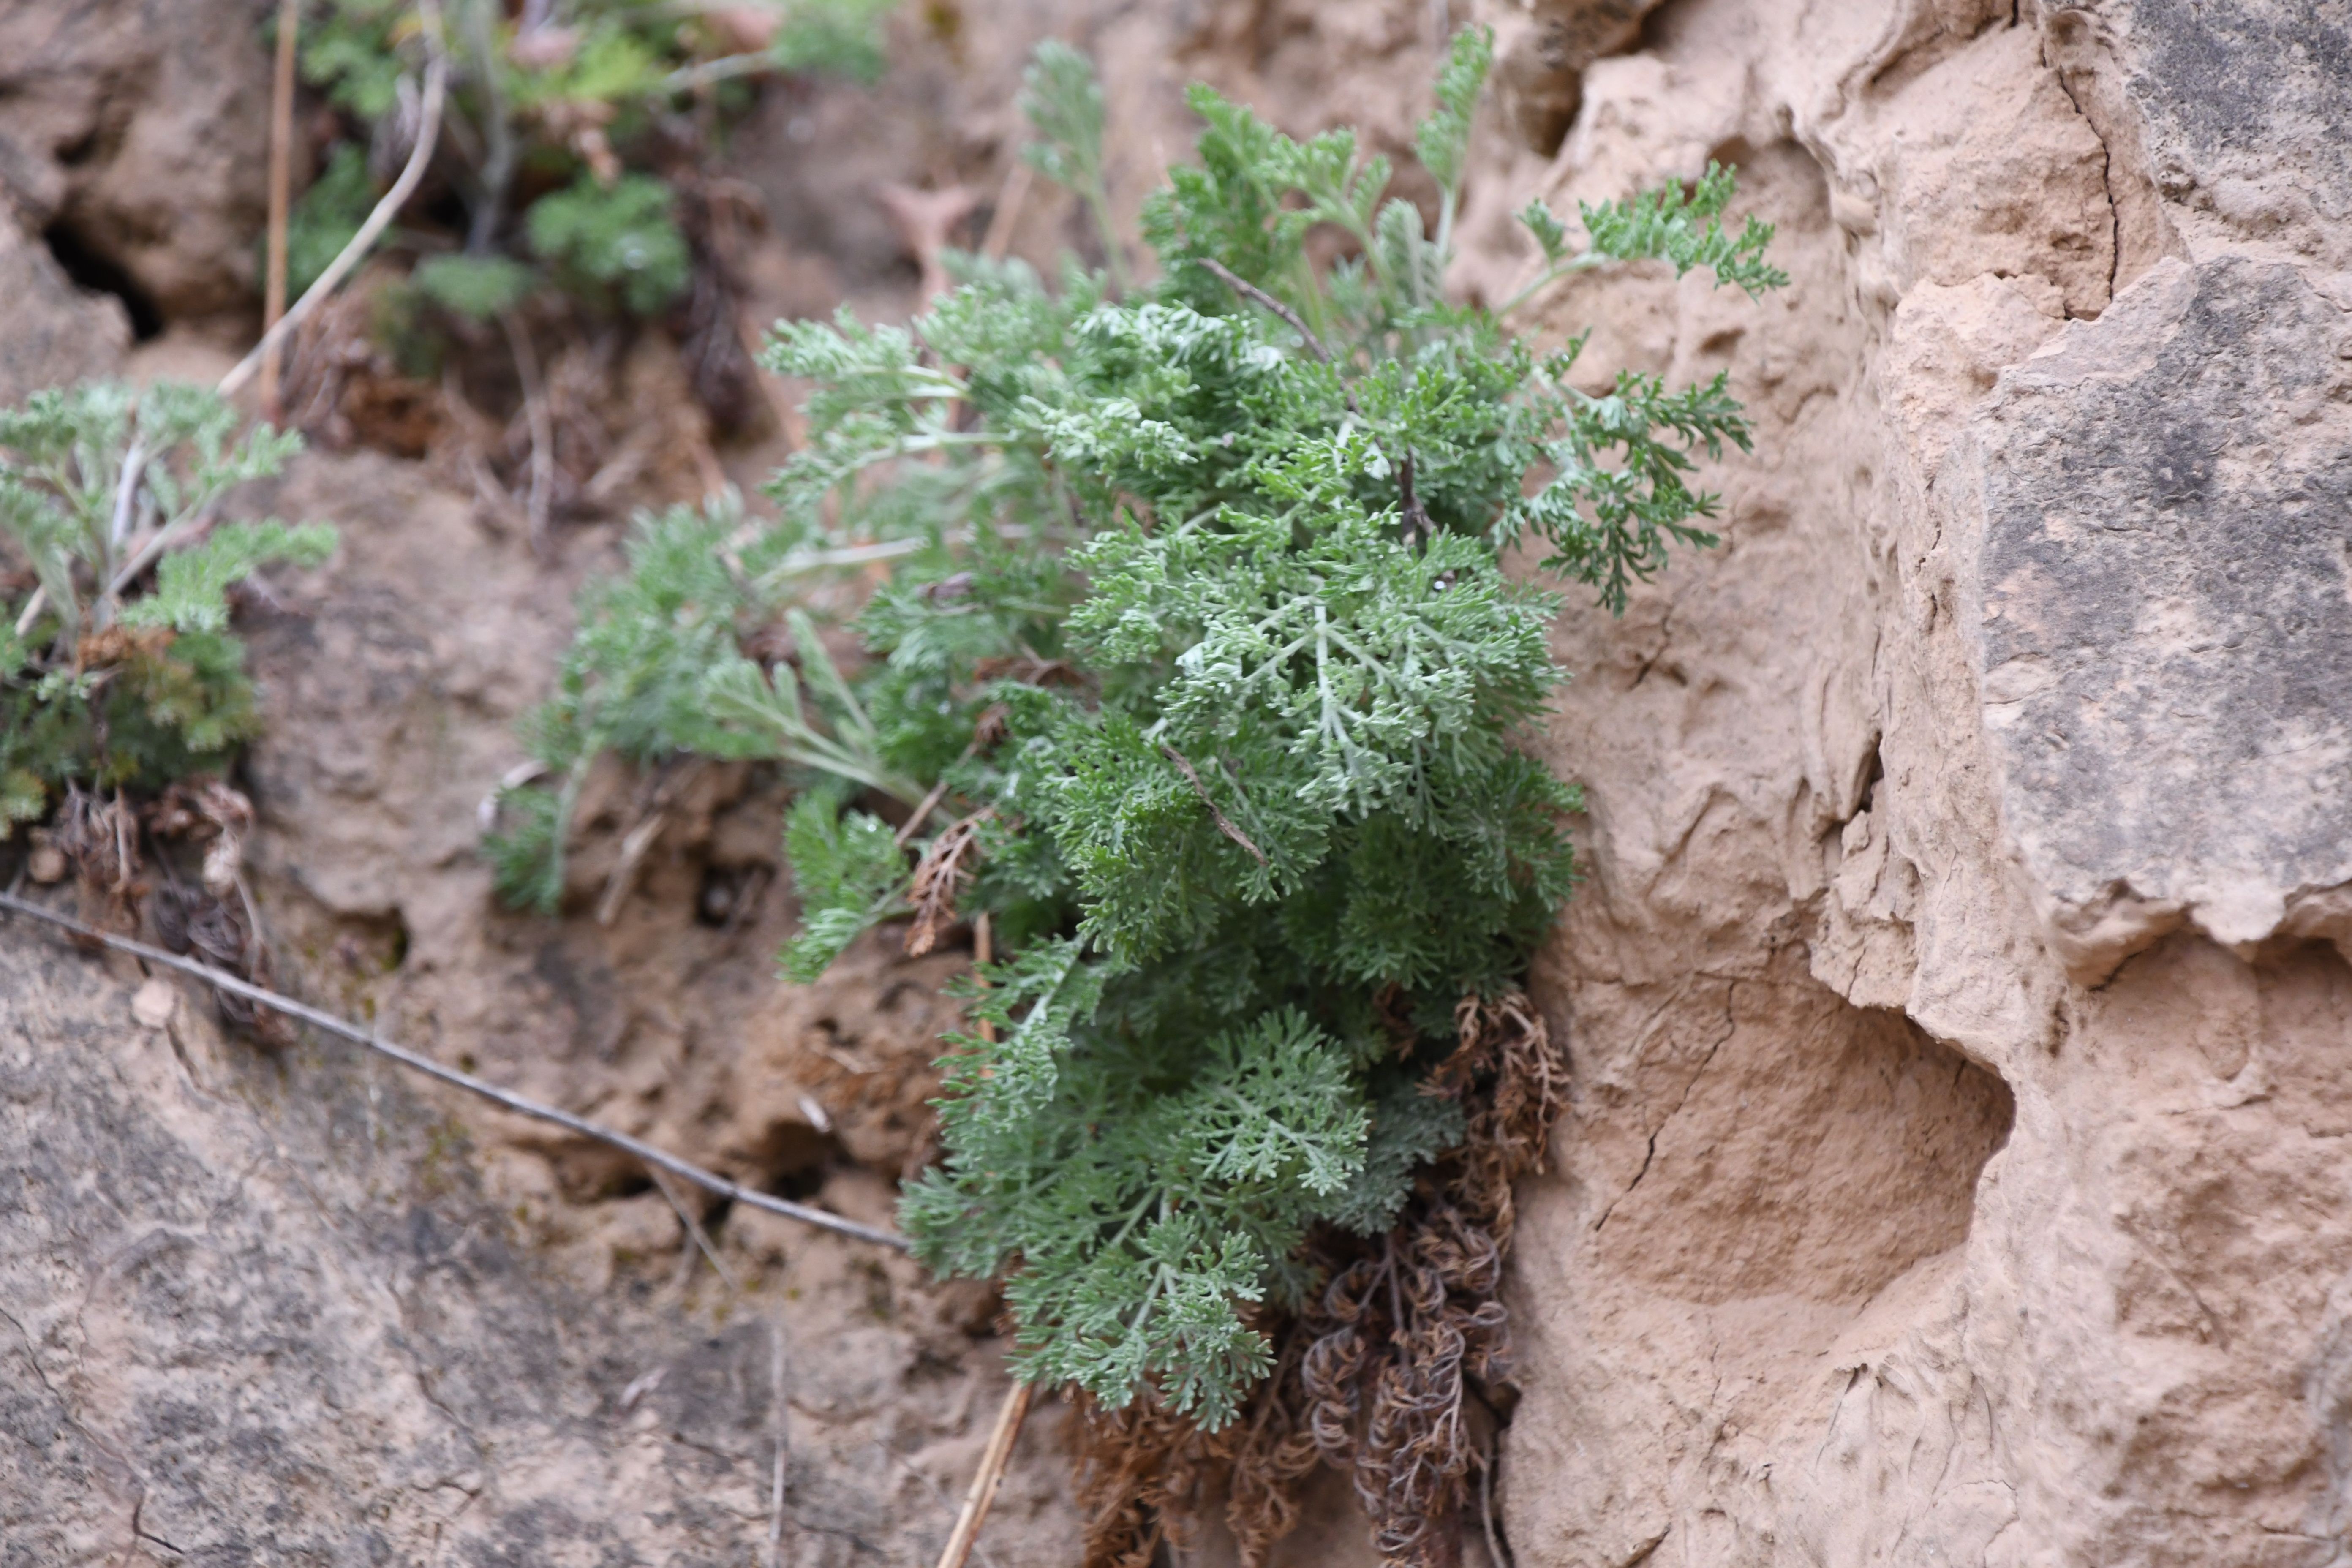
(977, 1501)
(1549, 274)
(281, 151)
(436, 87)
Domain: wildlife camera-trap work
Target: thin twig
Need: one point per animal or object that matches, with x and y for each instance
(281, 151)
(726, 67)
(170, 533)
(939, 1496)
(1486, 1502)
(1415, 518)
(709, 1180)
(1251, 291)
(780, 1395)
(437, 85)
(923, 812)
(1010, 198)
(624, 876)
(126, 493)
(542, 428)
(976, 1502)
(118, 528)
(639, 840)
(701, 1238)
(1225, 824)
(984, 950)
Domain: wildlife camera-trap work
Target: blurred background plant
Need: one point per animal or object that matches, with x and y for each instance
(572, 199)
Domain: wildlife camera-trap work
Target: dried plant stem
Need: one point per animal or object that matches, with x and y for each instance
(520, 1104)
(977, 1501)
(428, 129)
(991, 1471)
(1257, 296)
(1486, 1502)
(984, 950)
(542, 429)
(697, 1237)
(281, 155)
(780, 1398)
(1010, 199)
(1225, 822)
(639, 840)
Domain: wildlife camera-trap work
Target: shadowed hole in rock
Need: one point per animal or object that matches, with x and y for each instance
(728, 895)
(793, 1159)
(102, 275)
(1821, 1151)
(370, 945)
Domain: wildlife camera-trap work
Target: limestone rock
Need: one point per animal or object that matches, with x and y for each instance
(56, 333)
(2011, 710)
(241, 1322)
(141, 129)
(2162, 609)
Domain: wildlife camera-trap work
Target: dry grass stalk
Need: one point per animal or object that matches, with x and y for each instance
(436, 87)
(281, 152)
(977, 1501)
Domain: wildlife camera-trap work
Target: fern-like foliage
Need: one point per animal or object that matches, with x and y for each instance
(1196, 671)
(112, 675)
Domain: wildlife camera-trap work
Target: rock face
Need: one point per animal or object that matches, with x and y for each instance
(240, 1321)
(134, 132)
(1960, 1004)
(2162, 598)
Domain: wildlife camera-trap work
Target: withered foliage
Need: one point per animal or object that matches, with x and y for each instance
(113, 848)
(943, 870)
(719, 217)
(1373, 1376)
(1146, 1474)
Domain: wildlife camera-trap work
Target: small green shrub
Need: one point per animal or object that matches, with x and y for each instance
(1197, 671)
(120, 678)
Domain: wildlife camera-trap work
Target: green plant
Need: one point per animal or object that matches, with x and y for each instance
(1198, 674)
(118, 670)
(562, 128)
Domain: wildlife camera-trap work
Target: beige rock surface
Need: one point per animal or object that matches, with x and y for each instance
(135, 128)
(1953, 1176)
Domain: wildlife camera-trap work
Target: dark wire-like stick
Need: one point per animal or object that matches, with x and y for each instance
(1225, 822)
(1251, 291)
(710, 1180)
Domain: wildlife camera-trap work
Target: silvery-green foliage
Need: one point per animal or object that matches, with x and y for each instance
(125, 672)
(1196, 622)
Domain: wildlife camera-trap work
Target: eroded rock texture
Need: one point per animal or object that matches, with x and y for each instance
(1961, 1005)
(257, 1310)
